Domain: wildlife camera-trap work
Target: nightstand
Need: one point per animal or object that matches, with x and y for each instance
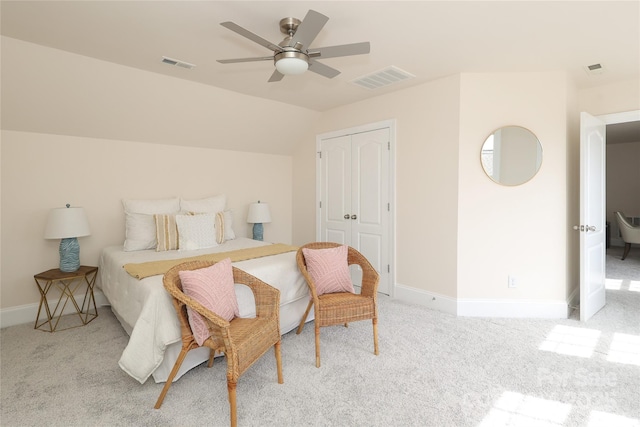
(67, 284)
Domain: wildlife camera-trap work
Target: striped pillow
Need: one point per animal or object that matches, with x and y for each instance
(329, 269)
(224, 231)
(166, 232)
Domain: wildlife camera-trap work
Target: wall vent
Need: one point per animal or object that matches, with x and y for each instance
(177, 63)
(382, 78)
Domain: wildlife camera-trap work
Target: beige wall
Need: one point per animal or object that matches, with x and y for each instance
(612, 98)
(513, 230)
(87, 132)
(426, 177)
(43, 171)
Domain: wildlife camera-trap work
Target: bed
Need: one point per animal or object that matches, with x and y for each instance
(145, 310)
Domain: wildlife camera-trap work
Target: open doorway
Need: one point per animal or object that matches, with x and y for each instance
(622, 194)
(622, 177)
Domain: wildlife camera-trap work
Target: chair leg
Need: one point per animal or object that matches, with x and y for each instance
(231, 387)
(278, 362)
(627, 248)
(317, 344)
(304, 318)
(174, 371)
(375, 336)
(211, 356)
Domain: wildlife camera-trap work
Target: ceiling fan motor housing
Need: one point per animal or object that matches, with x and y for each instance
(291, 62)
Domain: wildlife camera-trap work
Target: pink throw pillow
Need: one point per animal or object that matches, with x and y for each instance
(213, 287)
(329, 269)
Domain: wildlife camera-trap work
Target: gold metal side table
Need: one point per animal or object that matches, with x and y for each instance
(67, 284)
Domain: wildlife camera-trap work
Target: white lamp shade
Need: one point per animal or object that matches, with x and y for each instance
(64, 223)
(258, 213)
(291, 66)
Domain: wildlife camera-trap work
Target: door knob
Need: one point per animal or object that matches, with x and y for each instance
(354, 217)
(346, 216)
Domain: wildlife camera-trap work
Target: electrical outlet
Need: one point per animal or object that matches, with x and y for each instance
(513, 283)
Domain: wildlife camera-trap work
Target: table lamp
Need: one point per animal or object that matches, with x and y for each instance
(67, 224)
(258, 214)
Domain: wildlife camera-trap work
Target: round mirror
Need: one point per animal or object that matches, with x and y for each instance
(511, 155)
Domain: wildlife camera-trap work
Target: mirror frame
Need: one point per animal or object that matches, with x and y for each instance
(531, 174)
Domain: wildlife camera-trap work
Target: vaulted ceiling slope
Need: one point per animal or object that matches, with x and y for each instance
(428, 39)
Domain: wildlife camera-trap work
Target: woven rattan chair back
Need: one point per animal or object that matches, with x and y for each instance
(343, 307)
(242, 340)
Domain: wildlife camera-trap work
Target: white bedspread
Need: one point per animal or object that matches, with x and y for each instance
(145, 310)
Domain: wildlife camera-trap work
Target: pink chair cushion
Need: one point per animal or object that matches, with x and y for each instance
(329, 269)
(213, 287)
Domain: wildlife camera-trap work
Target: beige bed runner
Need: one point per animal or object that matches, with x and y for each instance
(153, 268)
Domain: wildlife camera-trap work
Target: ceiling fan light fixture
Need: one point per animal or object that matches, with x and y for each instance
(291, 62)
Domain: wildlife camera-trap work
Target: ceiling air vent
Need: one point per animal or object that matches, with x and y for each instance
(594, 69)
(382, 78)
(177, 63)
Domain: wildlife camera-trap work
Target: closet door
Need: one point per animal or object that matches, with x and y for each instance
(354, 197)
(335, 196)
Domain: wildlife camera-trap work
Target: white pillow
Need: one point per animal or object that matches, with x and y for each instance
(211, 205)
(196, 231)
(224, 223)
(140, 232)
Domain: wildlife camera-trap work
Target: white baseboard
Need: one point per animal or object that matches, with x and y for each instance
(513, 309)
(424, 298)
(27, 313)
(483, 307)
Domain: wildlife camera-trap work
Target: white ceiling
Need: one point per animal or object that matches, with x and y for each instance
(425, 38)
(428, 39)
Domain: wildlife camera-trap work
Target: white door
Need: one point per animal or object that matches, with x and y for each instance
(335, 187)
(355, 197)
(592, 215)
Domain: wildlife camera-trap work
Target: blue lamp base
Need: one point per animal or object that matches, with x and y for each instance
(69, 255)
(258, 230)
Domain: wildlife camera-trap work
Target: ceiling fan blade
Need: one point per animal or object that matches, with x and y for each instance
(308, 29)
(276, 76)
(323, 70)
(233, 61)
(253, 37)
(340, 50)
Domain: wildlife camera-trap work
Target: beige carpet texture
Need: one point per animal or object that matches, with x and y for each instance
(434, 369)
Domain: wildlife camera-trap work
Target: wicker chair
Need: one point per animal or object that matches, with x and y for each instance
(342, 307)
(242, 340)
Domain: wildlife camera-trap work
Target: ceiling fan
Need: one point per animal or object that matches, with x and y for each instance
(293, 54)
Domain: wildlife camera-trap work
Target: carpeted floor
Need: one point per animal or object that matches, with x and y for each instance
(433, 370)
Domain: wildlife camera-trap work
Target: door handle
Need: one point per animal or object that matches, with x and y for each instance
(585, 228)
(346, 216)
(354, 217)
